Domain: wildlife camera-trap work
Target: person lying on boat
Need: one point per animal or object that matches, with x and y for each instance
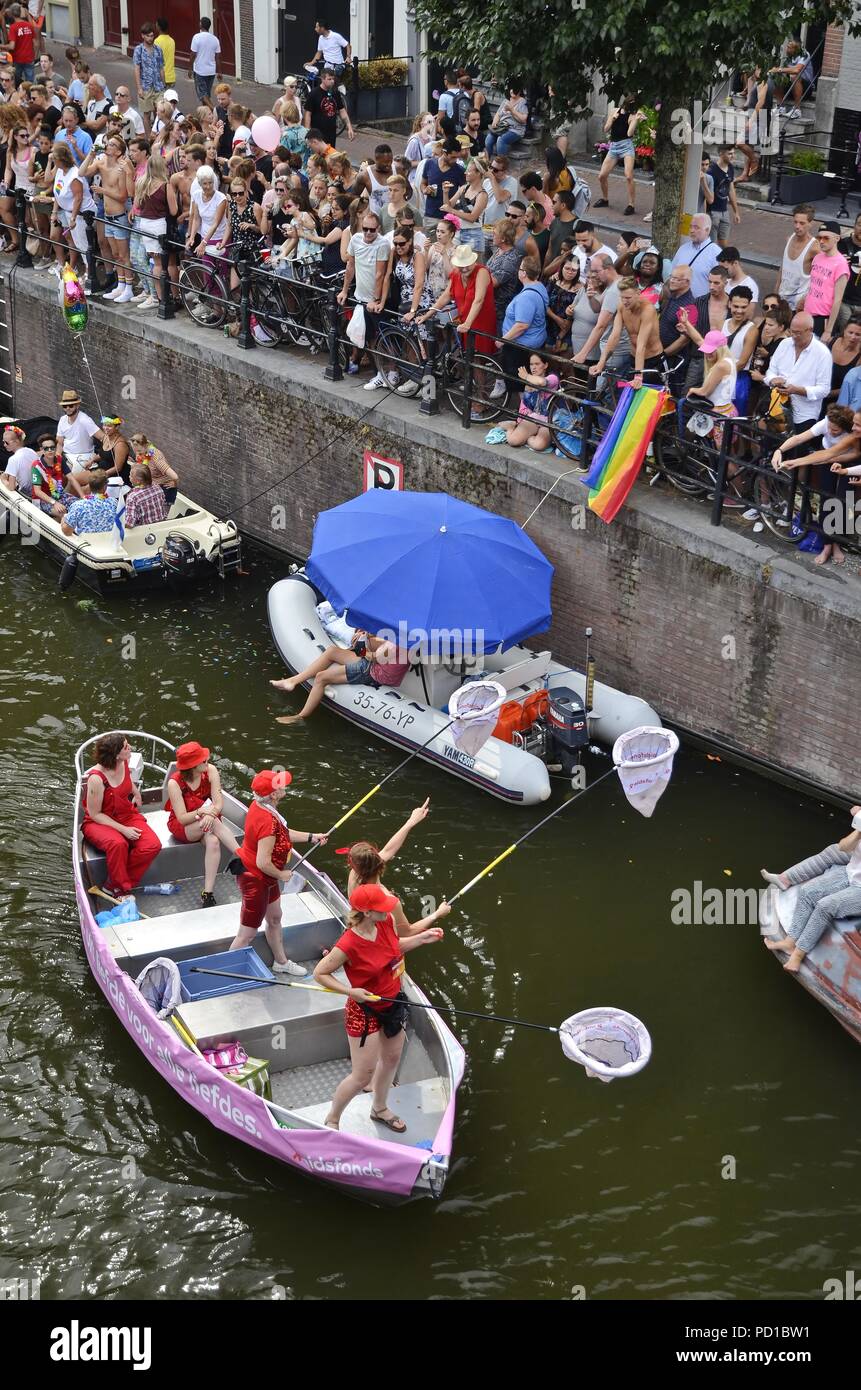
(146, 503)
(195, 805)
(371, 950)
(55, 487)
(112, 817)
(93, 513)
(17, 472)
(833, 890)
(382, 663)
(261, 866)
(162, 473)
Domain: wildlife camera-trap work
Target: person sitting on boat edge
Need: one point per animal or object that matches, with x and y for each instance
(261, 866)
(146, 503)
(112, 817)
(371, 950)
(94, 513)
(383, 663)
(833, 890)
(17, 472)
(195, 805)
(55, 487)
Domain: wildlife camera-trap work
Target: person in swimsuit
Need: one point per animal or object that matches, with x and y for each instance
(112, 817)
(195, 805)
(261, 866)
(383, 663)
(371, 952)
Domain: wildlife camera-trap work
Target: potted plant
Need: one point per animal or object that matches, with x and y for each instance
(803, 179)
(382, 90)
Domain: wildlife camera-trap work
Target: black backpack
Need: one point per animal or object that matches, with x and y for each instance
(461, 108)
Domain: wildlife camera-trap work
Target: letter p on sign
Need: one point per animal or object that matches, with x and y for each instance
(387, 474)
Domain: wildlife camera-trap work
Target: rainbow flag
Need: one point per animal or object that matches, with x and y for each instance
(619, 457)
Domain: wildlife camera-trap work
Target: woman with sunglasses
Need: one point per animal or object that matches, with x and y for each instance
(242, 230)
(276, 220)
(562, 290)
(112, 452)
(468, 204)
(408, 267)
(304, 238)
(11, 120)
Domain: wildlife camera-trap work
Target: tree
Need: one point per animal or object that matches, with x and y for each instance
(666, 51)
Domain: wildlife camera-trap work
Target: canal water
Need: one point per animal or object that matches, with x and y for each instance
(728, 1168)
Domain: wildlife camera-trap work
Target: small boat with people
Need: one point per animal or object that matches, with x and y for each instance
(191, 544)
(231, 1018)
(810, 919)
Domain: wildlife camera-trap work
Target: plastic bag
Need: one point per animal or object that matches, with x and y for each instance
(114, 916)
(356, 326)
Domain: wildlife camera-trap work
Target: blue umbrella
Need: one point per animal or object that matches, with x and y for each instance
(425, 564)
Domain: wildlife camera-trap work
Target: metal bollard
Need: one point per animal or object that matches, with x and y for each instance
(23, 259)
(246, 338)
(165, 306)
(333, 371)
(429, 400)
(468, 380)
(720, 479)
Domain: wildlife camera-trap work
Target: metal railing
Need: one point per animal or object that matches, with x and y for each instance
(724, 470)
(782, 163)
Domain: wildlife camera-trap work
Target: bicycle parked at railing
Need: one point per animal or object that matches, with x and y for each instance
(205, 289)
(407, 358)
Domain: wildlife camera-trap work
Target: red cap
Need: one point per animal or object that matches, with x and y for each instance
(190, 755)
(372, 897)
(267, 782)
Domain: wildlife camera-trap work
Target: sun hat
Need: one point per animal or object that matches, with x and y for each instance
(372, 897)
(189, 755)
(267, 781)
(713, 340)
(464, 256)
(70, 398)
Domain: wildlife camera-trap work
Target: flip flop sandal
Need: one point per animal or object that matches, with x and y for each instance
(395, 1124)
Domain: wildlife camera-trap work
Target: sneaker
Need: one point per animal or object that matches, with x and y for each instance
(760, 526)
(499, 389)
(377, 383)
(55, 271)
(114, 293)
(630, 210)
(139, 297)
(288, 968)
(392, 379)
(601, 203)
(752, 514)
(303, 341)
(409, 388)
(353, 369)
(124, 296)
(794, 114)
(148, 302)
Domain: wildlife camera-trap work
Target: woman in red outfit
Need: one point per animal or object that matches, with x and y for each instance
(264, 854)
(195, 805)
(371, 951)
(471, 288)
(112, 817)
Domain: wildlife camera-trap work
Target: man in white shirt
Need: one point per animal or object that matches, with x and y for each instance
(699, 252)
(333, 48)
(731, 258)
(367, 258)
(801, 369)
(17, 472)
(206, 48)
(132, 120)
(587, 245)
(76, 431)
(98, 106)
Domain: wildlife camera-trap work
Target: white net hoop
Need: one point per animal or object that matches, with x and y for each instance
(644, 762)
(475, 709)
(609, 1043)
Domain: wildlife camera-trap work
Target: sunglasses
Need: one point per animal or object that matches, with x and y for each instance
(370, 231)
(48, 449)
(400, 243)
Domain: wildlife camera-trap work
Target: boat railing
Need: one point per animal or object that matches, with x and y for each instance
(83, 762)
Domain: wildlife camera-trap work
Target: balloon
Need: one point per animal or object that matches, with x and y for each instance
(73, 301)
(266, 133)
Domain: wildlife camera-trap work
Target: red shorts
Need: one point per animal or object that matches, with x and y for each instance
(257, 895)
(358, 1023)
(178, 830)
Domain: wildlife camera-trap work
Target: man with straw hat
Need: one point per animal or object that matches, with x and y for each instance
(76, 431)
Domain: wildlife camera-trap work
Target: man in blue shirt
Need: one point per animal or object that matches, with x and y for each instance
(441, 180)
(149, 73)
(524, 326)
(70, 132)
(699, 252)
(850, 391)
(94, 513)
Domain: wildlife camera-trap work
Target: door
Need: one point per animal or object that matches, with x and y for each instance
(297, 41)
(381, 19)
(183, 17)
(112, 19)
(225, 31)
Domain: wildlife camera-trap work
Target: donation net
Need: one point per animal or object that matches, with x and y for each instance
(644, 762)
(609, 1043)
(475, 708)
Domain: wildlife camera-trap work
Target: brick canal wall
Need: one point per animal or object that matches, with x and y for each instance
(728, 639)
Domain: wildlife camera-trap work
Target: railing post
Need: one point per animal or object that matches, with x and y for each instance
(165, 307)
(781, 143)
(246, 338)
(586, 423)
(23, 258)
(846, 180)
(354, 89)
(468, 379)
(720, 480)
(333, 371)
(428, 386)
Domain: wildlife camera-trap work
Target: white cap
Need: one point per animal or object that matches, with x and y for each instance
(170, 95)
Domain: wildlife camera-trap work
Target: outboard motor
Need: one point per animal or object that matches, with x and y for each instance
(567, 729)
(179, 559)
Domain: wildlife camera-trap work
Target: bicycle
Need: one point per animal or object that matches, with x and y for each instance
(204, 287)
(400, 343)
(309, 78)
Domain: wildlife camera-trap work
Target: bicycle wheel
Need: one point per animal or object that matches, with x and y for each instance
(671, 463)
(317, 331)
(399, 355)
(278, 308)
(485, 406)
(773, 497)
(565, 423)
(203, 293)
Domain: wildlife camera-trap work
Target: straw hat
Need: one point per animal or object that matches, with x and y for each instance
(70, 398)
(463, 257)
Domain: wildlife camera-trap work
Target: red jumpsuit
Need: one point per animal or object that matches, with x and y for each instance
(128, 860)
(260, 890)
(192, 799)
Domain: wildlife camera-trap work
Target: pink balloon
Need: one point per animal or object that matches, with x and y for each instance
(266, 133)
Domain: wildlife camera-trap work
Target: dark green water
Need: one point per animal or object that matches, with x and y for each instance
(113, 1188)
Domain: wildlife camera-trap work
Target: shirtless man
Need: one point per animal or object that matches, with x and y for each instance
(638, 316)
(190, 158)
(114, 173)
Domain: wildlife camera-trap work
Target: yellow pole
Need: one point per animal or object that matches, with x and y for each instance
(473, 881)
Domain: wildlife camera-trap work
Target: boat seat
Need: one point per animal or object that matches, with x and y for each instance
(289, 1027)
(177, 859)
(531, 668)
(308, 926)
